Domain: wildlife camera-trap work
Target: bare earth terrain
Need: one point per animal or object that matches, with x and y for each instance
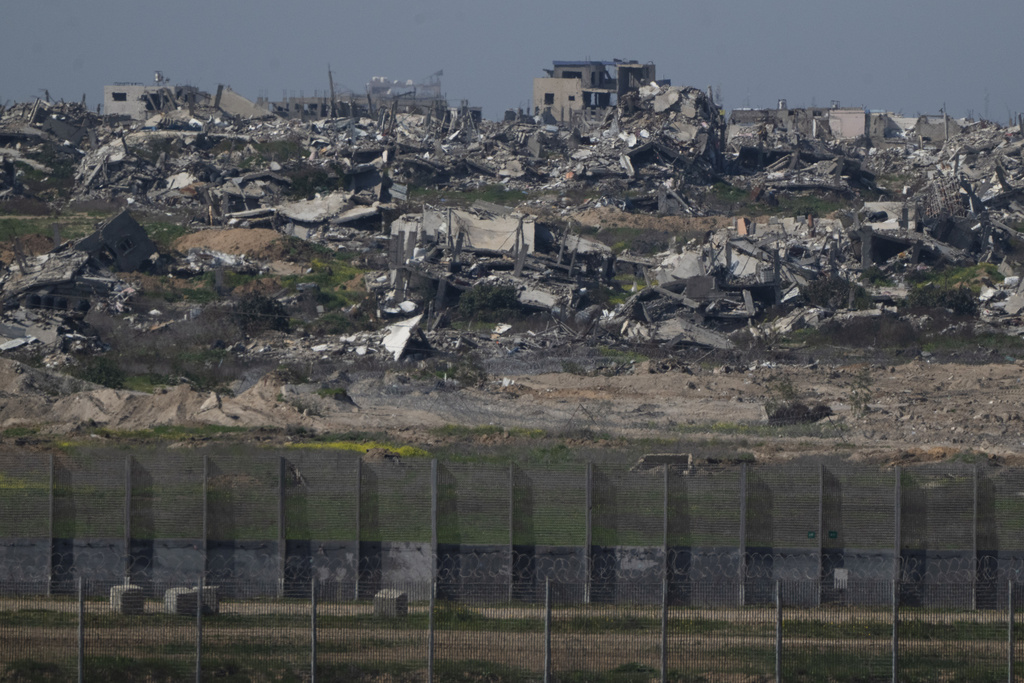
(915, 412)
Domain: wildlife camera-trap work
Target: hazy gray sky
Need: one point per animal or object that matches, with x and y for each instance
(900, 55)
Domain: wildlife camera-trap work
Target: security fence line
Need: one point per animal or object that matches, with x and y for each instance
(195, 632)
(279, 518)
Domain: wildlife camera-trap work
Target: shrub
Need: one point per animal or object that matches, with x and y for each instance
(960, 300)
(103, 370)
(256, 313)
(490, 303)
(834, 292)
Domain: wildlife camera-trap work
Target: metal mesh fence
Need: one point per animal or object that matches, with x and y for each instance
(233, 631)
(357, 522)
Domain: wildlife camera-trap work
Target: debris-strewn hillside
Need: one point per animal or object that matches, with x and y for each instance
(416, 270)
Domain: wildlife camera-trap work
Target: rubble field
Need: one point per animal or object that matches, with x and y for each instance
(653, 276)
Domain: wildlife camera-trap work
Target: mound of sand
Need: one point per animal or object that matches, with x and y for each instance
(251, 242)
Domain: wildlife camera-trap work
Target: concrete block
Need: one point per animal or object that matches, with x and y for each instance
(390, 602)
(183, 601)
(127, 599)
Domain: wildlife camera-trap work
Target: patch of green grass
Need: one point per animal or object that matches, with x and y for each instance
(494, 193)
(330, 274)
(809, 204)
(624, 355)
(310, 180)
(170, 432)
(465, 432)
(19, 432)
(953, 276)
(363, 447)
(728, 193)
(832, 430)
(147, 383)
(1009, 345)
(164, 234)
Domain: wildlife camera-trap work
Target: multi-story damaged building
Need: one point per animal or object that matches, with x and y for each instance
(139, 102)
(832, 122)
(580, 88)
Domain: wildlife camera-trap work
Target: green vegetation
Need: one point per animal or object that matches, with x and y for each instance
(636, 240)
(164, 234)
(876, 277)
(330, 272)
(959, 300)
(17, 433)
(494, 193)
(737, 201)
(258, 153)
(310, 180)
(832, 430)
(273, 644)
(836, 293)
(464, 432)
(103, 370)
(363, 447)
(169, 432)
(490, 303)
(257, 313)
(948, 277)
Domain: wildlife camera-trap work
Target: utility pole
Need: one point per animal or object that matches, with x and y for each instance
(330, 79)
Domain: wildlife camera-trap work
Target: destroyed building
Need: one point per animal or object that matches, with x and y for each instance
(830, 123)
(120, 244)
(577, 88)
(384, 190)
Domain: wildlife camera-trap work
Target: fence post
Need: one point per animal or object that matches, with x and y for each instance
(127, 519)
(206, 515)
(1009, 632)
(974, 545)
(664, 627)
(430, 633)
(547, 629)
(588, 550)
(81, 630)
(778, 632)
(511, 528)
(199, 630)
(280, 526)
(359, 532)
(895, 631)
(821, 530)
(312, 628)
(742, 568)
(897, 540)
(664, 525)
(49, 573)
(433, 519)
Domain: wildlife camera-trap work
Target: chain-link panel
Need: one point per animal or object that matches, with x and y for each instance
(25, 517)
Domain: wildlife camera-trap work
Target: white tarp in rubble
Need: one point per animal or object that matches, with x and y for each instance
(399, 335)
(497, 234)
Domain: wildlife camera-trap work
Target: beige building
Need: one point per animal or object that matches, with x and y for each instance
(573, 89)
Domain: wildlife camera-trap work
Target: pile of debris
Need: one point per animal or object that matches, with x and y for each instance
(344, 183)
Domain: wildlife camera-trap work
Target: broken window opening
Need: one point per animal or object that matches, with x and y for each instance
(572, 98)
(125, 245)
(549, 98)
(578, 75)
(119, 96)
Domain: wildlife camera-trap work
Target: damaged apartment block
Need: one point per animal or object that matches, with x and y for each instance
(588, 88)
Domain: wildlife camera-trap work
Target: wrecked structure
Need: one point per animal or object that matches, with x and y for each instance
(576, 88)
(347, 182)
